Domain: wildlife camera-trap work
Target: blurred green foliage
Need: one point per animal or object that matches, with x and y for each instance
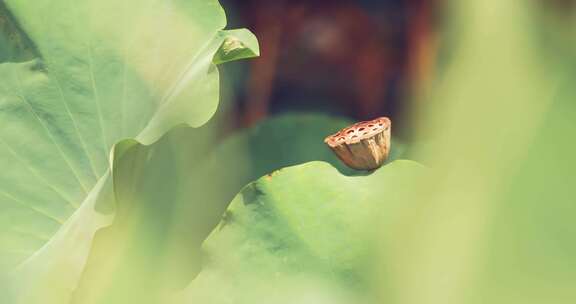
(177, 190)
(490, 220)
(493, 224)
(299, 235)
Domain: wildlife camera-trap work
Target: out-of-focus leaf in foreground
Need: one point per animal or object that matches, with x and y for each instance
(495, 224)
(174, 193)
(103, 71)
(300, 235)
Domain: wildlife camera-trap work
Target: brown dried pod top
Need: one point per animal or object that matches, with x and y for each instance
(364, 145)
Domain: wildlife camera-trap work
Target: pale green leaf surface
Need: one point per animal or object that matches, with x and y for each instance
(106, 71)
(495, 223)
(177, 190)
(14, 45)
(532, 248)
(301, 235)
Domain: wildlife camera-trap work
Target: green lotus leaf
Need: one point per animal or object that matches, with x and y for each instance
(175, 193)
(103, 71)
(14, 45)
(301, 234)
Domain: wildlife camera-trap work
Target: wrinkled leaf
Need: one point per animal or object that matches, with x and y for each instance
(178, 189)
(301, 235)
(106, 71)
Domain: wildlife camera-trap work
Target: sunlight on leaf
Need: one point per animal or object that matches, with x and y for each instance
(106, 71)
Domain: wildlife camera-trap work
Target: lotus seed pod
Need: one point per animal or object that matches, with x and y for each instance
(364, 145)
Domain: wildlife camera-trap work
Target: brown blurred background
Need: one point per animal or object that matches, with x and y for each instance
(358, 59)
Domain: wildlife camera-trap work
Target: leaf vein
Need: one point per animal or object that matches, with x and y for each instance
(50, 135)
(39, 211)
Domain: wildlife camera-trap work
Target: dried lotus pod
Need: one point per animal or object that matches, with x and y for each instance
(364, 145)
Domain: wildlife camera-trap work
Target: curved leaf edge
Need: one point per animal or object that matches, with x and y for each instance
(323, 165)
(17, 283)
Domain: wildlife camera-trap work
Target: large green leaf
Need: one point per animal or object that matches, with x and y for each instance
(176, 192)
(152, 246)
(532, 237)
(106, 70)
(495, 224)
(301, 235)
